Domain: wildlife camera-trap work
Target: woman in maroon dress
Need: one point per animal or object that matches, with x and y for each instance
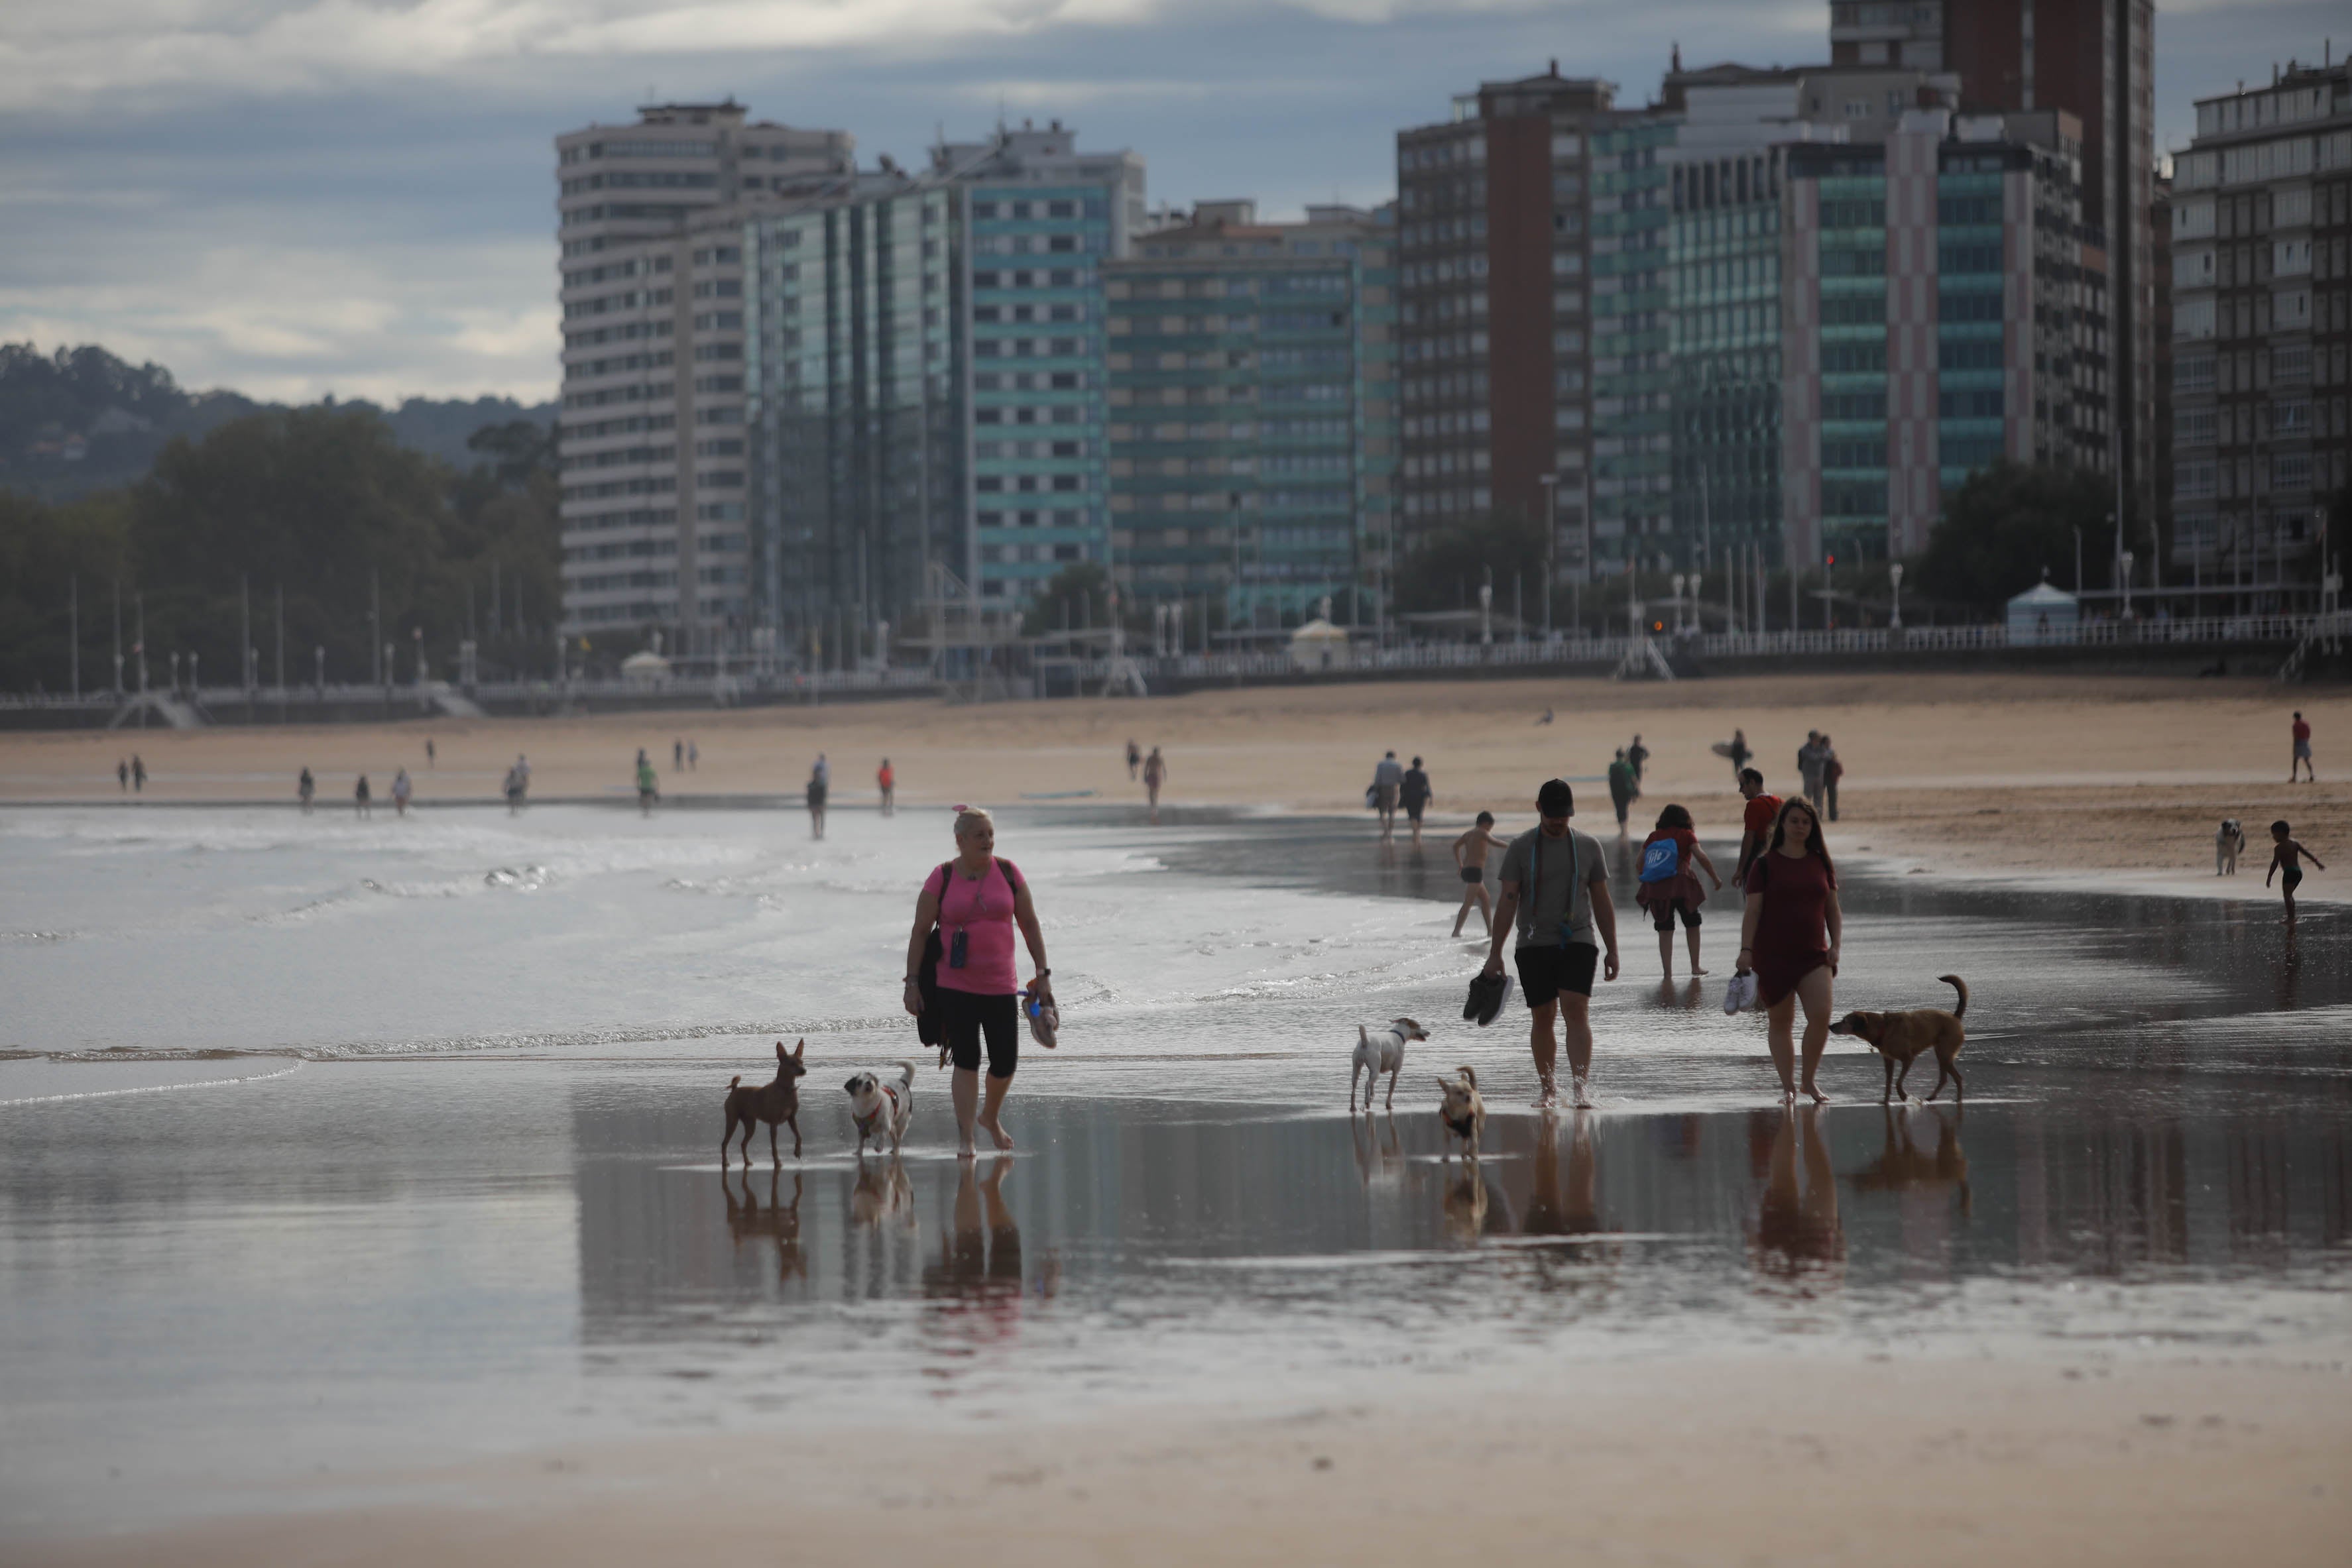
(1790, 937)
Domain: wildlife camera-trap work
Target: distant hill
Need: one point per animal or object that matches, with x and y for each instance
(81, 420)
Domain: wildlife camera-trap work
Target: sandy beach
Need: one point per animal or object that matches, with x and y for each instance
(1698, 1460)
(1967, 772)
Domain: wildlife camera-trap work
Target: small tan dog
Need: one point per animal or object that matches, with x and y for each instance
(1903, 1037)
(1464, 1112)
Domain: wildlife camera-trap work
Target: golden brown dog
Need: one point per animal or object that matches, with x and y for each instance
(1901, 1036)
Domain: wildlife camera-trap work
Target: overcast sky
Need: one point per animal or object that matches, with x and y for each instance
(291, 197)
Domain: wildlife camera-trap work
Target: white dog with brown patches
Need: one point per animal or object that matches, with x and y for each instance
(1379, 1054)
(879, 1106)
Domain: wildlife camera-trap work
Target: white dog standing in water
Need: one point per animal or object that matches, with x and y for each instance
(1379, 1054)
(2228, 844)
(879, 1106)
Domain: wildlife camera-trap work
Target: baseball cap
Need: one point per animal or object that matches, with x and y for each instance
(1556, 798)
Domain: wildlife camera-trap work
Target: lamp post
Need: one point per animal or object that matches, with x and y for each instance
(1486, 609)
(1680, 580)
(1894, 575)
(1696, 623)
(2126, 558)
(1550, 483)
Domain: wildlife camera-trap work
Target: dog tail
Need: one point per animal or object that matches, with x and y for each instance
(1470, 1076)
(736, 1081)
(1960, 985)
(907, 1073)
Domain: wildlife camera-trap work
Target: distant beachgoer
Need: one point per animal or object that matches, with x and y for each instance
(1756, 820)
(432, 757)
(305, 789)
(1414, 795)
(1388, 784)
(974, 901)
(2286, 856)
(1669, 883)
(360, 799)
(1134, 758)
(693, 757)
(1470, 854)
(823, 771)
(1624, 788)
(648, 785)
(1155, 774)
(819, 785)
(1555, 885)
(513, 788)
(401, 790)
(1810, 758)
(1831, 771)
(1547, 717)
(138, 775)
(1738, 753)
(122, 774)
(677, 755)
(888, 783)
(1789, 937)
(1638, 754)
(522, 770)
(2301, 758)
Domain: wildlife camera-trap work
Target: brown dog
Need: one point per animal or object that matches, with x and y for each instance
(1901, 1037)
(772, 1102)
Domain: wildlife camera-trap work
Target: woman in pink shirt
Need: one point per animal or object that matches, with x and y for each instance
(974, 901)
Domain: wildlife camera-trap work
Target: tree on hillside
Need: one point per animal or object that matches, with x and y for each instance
(2005, 524)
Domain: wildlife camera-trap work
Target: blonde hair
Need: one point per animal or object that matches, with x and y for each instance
(965, 814)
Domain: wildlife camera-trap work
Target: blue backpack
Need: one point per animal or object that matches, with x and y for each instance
(1662, 861)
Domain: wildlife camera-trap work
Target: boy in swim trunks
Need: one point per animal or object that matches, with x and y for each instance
(1470, 854)
(2286, 856)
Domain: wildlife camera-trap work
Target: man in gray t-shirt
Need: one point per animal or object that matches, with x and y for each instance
(1555, 885)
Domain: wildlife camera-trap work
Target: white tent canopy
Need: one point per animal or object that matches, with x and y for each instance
(2042, 614)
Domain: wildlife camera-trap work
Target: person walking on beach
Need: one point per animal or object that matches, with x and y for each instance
(820, 784)
(2286, 856)
(1155, 774)
(1624, 788)
(1790, 937)
(1134, 758)
(1414, 795)
(1671, 861)
(122, 775)
(432, 759)
(138, 775)
(648, 785)
(888, 783)
(1555, 885)
(359, 800)
(974, 901)
(401, 790)
(305, 789)
(693, 757)
(2301, 756)
(512, 787)
(1738, 753)
(1388, 784)
(1831, 771)
(678, 754)
(1809, 768)
(1638, 756)
(1470, 855)
(1756, 820)
(521, 777)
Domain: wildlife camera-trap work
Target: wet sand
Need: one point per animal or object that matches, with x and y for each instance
(2051, 774)
(1963, 1461)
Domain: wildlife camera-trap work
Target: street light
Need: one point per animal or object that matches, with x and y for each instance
(1680, 579)
(1550, 483)
(1895, 574)
(1696, 624)
(2127, 559)
(1486, 609)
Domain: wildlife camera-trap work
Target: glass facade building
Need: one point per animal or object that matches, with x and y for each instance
(1724, 250)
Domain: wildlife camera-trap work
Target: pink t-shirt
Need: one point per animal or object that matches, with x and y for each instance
(984, 908)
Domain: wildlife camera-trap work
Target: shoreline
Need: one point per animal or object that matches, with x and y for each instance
(2086, 1457)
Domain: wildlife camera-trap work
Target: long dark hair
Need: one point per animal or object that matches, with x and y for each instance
(1814, 845)
(1675, 817)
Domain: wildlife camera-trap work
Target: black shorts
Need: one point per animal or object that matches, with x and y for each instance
(1663, 917)
(1413, 809)
(965, 1017)
(1475, 875)
(2294, 878)
(1545, 972)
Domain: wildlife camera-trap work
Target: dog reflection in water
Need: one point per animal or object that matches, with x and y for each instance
(1379, 1157)
(884, 1194)
(1466, 1203)
(1906, 1166)
(748, 1218)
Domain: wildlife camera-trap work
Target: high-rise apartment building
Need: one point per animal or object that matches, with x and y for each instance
(1254, 414)
(1943, 305)
(2262, 323)
(2094, 59)
(651, 440)
(1494, 369)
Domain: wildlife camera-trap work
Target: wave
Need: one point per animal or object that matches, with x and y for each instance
(291, 1067)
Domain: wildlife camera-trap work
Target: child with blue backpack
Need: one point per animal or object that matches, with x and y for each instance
(1670, 863)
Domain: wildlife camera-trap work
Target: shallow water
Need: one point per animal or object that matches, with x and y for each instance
(336, 1147)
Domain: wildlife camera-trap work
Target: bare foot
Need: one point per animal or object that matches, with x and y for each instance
(964, 1149)
(1581, 1097)
(1819, 1098)
(1003, 1139)
(1697, 973)
(1547, 1093)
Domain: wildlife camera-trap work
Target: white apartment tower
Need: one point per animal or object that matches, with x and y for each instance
(651, 441)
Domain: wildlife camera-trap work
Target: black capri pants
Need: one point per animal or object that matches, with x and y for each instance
(965, 1017)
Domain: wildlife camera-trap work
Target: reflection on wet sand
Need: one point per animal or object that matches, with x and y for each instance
(1572, 1209)
(980, 1280)
(1379, 1158)
(1905, 1165)
(882, 1193)
(747, 1219)
(1798, 1236)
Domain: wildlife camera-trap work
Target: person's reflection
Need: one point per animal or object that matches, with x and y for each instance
(1905, 1165)
(1573, 1209)
(980, 1276)
(1683, 997)
(2290, 973)
(747, 1217)
(1798, 1236)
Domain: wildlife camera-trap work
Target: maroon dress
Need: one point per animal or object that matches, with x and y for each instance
(1792, 928)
